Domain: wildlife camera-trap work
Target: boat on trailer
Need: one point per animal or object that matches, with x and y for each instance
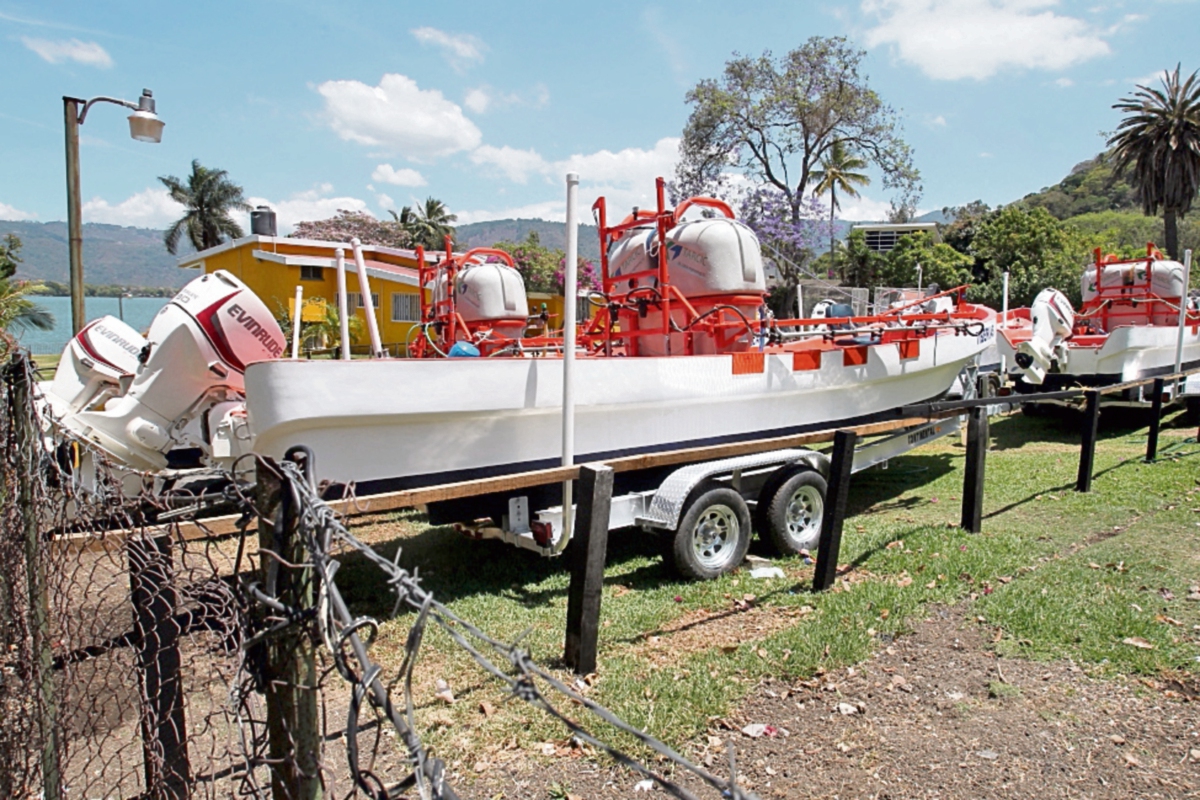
(680, 352)
(1136, 321)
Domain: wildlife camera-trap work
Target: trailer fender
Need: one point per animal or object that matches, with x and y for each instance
(668, 502)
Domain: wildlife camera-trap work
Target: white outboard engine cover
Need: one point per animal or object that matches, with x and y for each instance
(1046, 349)
(199, 346)
(491, 292)
(93, 366)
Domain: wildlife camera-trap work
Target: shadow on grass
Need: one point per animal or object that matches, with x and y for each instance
(454, 567)
(877, 490)
(1058, 425)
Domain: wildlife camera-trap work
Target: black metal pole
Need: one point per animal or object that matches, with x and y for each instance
(1087, 452)
(1155, 420)
(164, 731)
(587, 567)
(836, 495)
(977, 442)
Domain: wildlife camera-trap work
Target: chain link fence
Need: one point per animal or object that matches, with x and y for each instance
(145, 654)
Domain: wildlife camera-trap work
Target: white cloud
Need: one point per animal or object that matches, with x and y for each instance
(862, 209)
(313, 204)
(478, 100)
(459, 50)
(937, 122)
(483, 98)
(625, 178)
(386, 173)
(399, 115)
(150, 208)
(552, 210)
(517, 165)
(384, 201)
(1153, 80)
(11, 214)
(955, 39)
(1065, 83)
(57, 51)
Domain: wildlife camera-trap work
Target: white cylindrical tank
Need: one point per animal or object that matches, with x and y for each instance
(718, 256)
(490, 292)
(632, 253)
(1166, 278)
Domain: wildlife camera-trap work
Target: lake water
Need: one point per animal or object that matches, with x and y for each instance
(138, 313)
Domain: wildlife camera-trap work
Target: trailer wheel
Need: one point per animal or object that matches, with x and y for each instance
(713, 535)
(794, 512)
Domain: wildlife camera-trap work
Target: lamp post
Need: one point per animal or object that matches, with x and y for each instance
(144, 126)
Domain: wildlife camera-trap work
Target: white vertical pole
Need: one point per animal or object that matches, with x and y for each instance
(296, 321)
(364, 285)
(570, 290)
(1004, 312)
(343, 314)
(918, 278)
(1183, 304)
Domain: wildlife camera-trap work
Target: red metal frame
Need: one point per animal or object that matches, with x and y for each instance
(1139, 293)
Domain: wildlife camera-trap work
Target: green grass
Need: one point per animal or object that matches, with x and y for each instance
(1059, 574)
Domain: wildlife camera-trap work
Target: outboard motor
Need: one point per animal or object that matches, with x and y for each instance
(189, 381)
(1046, 349)
(94, 365)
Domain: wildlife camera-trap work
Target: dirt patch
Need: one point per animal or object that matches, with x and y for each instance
(933, 714)
(703, 629)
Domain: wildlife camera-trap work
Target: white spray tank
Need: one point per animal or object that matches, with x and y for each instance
(191, 375)
(492, 294)
(1046, 350)
(96, 366)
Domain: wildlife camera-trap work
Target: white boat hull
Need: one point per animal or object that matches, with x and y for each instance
(418, 422)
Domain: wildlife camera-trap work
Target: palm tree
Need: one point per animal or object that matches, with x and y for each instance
(17, 311)
(837, 172)
(209, 196)
(429, 225)
(1160, 138)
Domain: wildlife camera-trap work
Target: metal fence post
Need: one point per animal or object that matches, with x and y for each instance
(1155, 421)
(977, 444)
(587, 567)
(29, 448)
(164, 730)
(1087, 451)
(836, 496)
(289, 666)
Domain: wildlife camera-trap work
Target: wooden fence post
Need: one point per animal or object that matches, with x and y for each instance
(836, 495)
(589, 549)
(289, 666)
(1087, 451)
(29, 446)
(977, 444)
(164, 730)
(1155, 420)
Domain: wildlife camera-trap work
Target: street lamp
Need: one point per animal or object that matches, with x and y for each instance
(144, 126)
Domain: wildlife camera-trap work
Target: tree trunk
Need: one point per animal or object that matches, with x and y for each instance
(1172, 233)
(832, 208)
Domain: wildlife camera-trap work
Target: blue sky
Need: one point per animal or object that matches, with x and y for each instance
(317, 106)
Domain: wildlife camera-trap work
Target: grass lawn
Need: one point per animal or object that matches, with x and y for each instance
(1100, 578)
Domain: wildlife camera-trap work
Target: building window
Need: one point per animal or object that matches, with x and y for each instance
(354, 300)
(308, 273)
(406, 307)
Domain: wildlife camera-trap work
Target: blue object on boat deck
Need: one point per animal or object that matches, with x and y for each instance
(464, 350)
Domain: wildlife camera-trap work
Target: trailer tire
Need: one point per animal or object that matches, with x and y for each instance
(713, 536)
(793, 513)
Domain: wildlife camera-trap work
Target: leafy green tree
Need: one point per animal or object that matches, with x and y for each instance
(862, 264)
(837, 171)
(1160, 139)
(429, 224)
(10, 258)
(940, 263)
(1035, 249)
(1090, 187)
(208, 197)
(776, 119)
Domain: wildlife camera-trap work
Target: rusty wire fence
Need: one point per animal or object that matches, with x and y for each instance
(142, 655)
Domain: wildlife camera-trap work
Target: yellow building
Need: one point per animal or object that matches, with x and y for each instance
(272, 266)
